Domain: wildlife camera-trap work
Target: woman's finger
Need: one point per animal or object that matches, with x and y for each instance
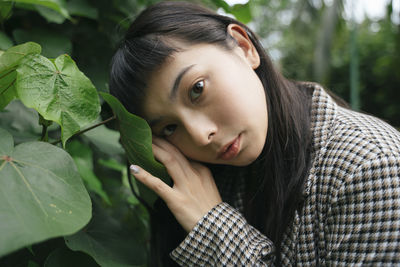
(164, 144)
(174, 166)
(156, 184)
(176, 155)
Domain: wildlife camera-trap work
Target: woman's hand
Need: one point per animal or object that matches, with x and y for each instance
(194, 191)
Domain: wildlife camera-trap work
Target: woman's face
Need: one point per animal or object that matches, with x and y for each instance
(210, 104)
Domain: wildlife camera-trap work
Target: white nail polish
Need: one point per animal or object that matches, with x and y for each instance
(134, 169)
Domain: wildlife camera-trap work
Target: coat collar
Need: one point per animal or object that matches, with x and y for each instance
(323, 116)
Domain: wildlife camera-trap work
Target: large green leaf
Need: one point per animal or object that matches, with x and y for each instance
(58, 91)
(56, 5)
(115, 238)
(136, 139)
(9, 61)
(41, 194)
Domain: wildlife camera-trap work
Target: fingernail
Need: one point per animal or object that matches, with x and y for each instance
(134, 169)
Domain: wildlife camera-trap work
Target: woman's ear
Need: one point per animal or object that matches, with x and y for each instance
(244, 42)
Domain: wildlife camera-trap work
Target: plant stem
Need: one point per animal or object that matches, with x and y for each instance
(87, 129)
(45, 136)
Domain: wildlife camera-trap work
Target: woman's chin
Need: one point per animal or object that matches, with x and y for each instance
(246, 159)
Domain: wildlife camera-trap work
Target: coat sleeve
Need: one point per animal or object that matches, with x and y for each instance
(364, 222)
(224, 238)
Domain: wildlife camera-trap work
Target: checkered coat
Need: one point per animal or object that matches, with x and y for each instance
(351, 213)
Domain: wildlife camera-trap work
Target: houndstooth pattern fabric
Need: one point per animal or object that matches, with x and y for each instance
(351, 213)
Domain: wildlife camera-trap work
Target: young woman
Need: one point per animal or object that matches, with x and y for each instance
(266, 171)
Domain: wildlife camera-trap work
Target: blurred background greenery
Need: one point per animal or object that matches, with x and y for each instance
(328, 41)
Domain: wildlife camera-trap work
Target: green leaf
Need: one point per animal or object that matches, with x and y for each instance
(112, 239)
(41, 194)
(222, 4)
(9, 61)
(5, 41)
(56, 5)
(5, 10)
(28, 7)
(83, 157)
(50, 14)
(136, 139)
(12, 57)
(82, 8)
(58, 91)
(63, 257)
(7, 87)
(242, 12)
(53, 43)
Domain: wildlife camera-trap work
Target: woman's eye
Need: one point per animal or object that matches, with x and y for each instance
(168, 130)
(196, 90)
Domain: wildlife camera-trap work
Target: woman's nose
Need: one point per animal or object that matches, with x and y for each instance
(201, 130)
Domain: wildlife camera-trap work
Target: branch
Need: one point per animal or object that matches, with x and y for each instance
(45, 136)
(88, 129)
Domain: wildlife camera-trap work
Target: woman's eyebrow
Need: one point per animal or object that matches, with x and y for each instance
(155, 121)
(172, 94)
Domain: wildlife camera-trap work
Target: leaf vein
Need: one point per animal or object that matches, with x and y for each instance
(41, 168)
(29, 188)
(3, 164)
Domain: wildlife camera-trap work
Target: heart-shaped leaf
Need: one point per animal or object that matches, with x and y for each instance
(9, 61)
(136, 140)
(41, 194)
(59, 91)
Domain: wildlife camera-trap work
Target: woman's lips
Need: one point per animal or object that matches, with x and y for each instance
(230, 150)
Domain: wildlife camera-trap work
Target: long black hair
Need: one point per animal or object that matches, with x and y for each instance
(271, 202)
